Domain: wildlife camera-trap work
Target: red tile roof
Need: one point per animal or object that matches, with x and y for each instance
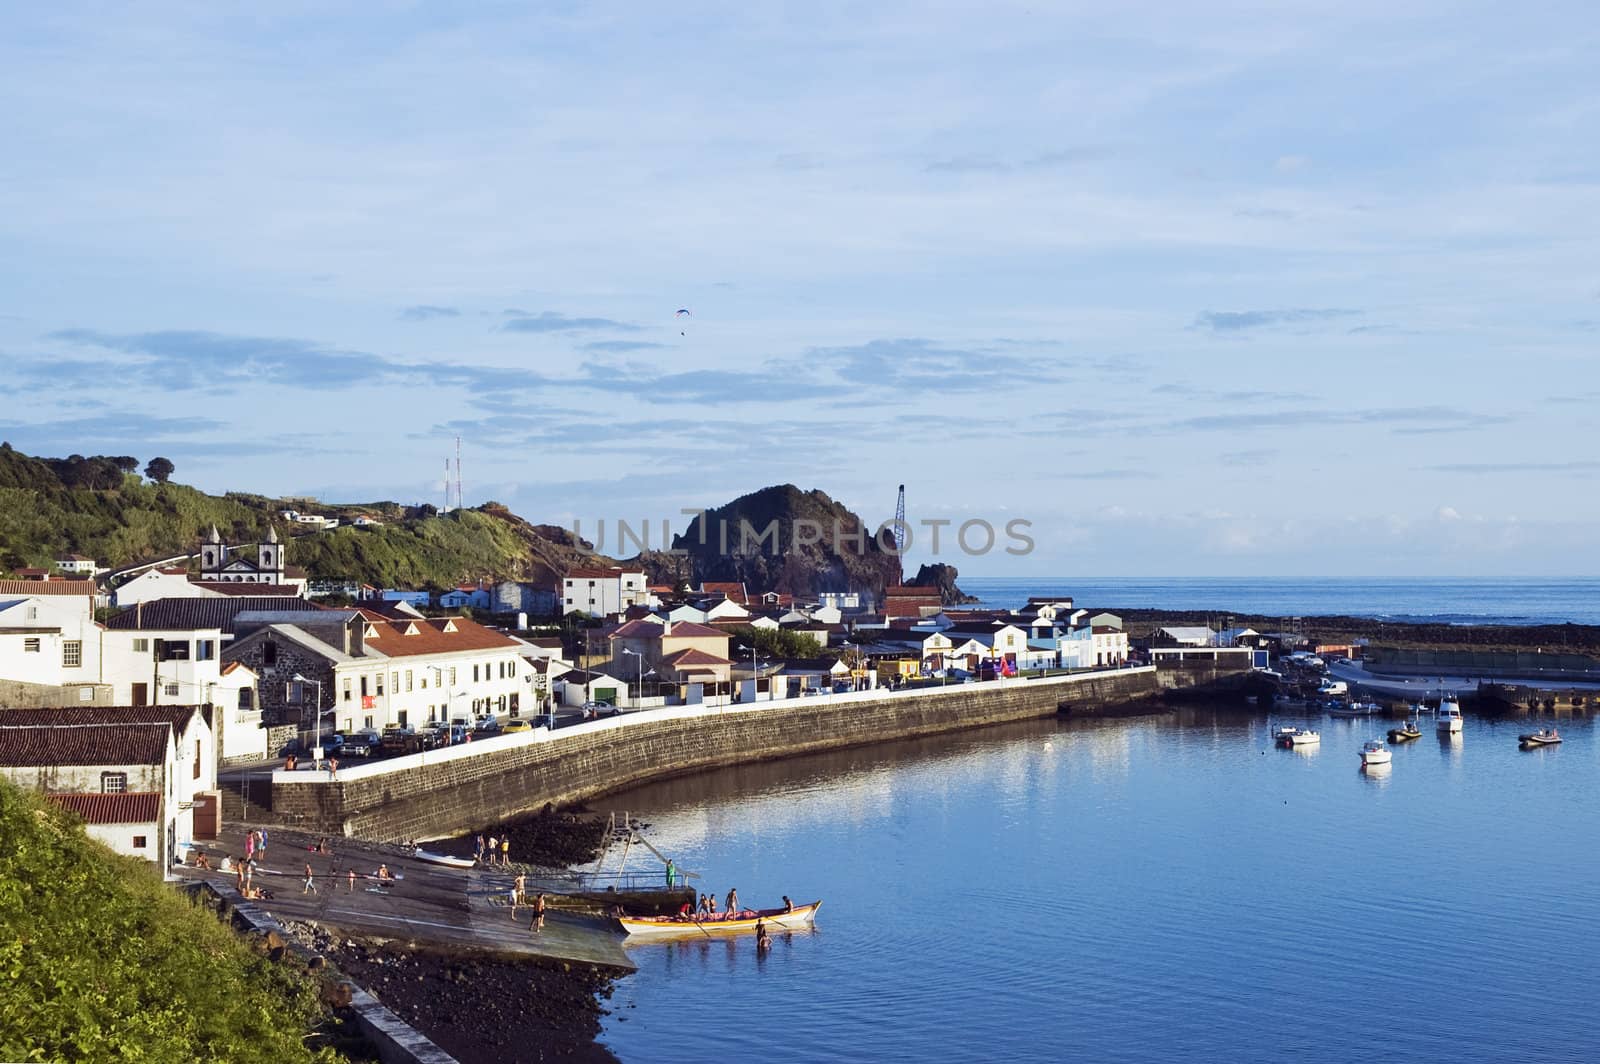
(733, 589)
(47, 587)
(601, 574)
(252, 588)
(138, 807)
(693, 656)
(691, 630)
(640, 629)
(430, 636)
(44, 746)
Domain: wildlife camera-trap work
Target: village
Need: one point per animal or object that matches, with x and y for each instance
(126, 699)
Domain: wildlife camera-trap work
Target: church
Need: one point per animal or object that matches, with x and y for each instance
(224, 564)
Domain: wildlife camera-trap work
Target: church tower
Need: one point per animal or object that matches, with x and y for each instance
(212, 555)
(269, 558)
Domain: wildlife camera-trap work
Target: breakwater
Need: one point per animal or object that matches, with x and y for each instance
(456, 790)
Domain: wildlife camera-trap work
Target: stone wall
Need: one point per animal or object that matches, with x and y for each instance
(16, 694)
(462, 789)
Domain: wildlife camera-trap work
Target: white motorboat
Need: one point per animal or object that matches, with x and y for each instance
(1449, 716)
(1355, 709)
(1373, 752)
(1297, 737)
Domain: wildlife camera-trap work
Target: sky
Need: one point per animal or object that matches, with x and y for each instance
(1194, 289)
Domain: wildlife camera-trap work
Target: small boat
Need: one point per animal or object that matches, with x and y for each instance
(443, 859)
(1542, 737)
(1297, 737)
(1405, 733)
(743, 921)
(1373, 752)
(1449, 716)
(1355, 709)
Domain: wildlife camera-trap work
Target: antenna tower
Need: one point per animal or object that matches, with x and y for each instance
(459, 502)
(447, 484)
(900, 521)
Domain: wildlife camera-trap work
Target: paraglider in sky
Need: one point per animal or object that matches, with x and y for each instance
(683, 312)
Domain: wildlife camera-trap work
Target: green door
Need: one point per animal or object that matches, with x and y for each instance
(607, 695)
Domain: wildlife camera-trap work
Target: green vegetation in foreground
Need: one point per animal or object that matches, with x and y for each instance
(99, 960)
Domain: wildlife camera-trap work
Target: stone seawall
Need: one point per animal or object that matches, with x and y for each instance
(427, 796)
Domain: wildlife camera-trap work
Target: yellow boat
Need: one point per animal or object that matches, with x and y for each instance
(742, 922)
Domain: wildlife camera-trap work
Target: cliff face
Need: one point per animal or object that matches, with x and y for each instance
(943, 577)
(784, 539)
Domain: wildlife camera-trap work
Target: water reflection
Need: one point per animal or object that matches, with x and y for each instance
(1378, 774)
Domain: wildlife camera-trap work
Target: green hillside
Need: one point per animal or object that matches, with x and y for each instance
(96, 507)
(102, 961)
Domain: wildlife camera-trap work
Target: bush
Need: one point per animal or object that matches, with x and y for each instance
(100, 960)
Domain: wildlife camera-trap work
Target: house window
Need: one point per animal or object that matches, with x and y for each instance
(205, 650)
(30, 645)
(452, 677)
(172, 690)
(72, 653)
(141, 646)
(394, 682)
(140, 842)
(380, 683)
(366, 722)
(113, 782)
(408, 679)
(401, 716)
(347, 688)
(269, 653)
(245, 699)
(86, 694)
(474, 674)
(197, 759)
(363, 687)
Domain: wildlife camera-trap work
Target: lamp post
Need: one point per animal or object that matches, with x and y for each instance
(316, 709)
(638, 688)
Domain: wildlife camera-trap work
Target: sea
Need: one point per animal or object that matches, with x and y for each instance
(1463, 600)
(1146, 890)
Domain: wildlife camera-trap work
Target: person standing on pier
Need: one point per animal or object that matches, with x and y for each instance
(538, 912)
(494, 847)
(478, 852)
(672, 873)
(311, 881)
(505, 851)
(262, 847)
(352, 881)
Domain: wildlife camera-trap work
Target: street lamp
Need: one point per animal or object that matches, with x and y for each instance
(316, 709)
(639, 687)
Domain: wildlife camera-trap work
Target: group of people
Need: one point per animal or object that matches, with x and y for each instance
(496, 850)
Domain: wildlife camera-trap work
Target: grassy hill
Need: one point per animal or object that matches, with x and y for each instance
(102, 961)
(94, 506)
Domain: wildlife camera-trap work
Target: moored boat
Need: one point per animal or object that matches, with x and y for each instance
(1542, 737)
(741, 922)
(1373, 752)
(1297, 737)
(1405, 733)
(1355, 709)
(443, 859)
(1449, 716)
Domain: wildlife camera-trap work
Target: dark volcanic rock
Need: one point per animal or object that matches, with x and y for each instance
(943, 577)
(785, 539)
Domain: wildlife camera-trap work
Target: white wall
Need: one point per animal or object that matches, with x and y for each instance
(155, 584)
(412, 686)
(74, 617)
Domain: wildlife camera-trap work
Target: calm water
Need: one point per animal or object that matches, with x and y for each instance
(1138, 891)
(1502, 600)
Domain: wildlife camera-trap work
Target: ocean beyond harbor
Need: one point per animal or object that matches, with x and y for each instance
(1164, 888)
(1443, 600)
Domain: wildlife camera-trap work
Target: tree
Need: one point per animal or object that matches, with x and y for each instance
(127, 463)
(159, 470)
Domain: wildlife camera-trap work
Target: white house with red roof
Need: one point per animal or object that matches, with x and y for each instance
(598, 592)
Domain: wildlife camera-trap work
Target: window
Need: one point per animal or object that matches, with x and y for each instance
(197, 759)
(380, 683)
(474, 674)
(171, 689)
(366, 722)
(347, 688)
(30, 645)
(423, 681)
(113, 782)
(363, 687)
(86, 694)
(269, 653)
(394, 681)
(402, 718)
(245, 699)
(205, 650)
(141, 646)
(408, 679)
(140, 842)
(452, 677)
(72, 653)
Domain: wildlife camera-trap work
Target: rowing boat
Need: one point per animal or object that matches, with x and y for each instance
(444, 859)
(741, 922)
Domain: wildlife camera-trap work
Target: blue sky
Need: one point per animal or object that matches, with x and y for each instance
(1205, 289)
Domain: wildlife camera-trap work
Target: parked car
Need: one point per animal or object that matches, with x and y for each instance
(516, 726)
(487, 726)
(363, 743)
(592, 710)
(397, 740)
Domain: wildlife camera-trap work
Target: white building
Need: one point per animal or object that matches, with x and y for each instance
(77, 565)
(599, 592)
(157, 762)
(361, 669)
(1092, 647)
(1185, 636)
